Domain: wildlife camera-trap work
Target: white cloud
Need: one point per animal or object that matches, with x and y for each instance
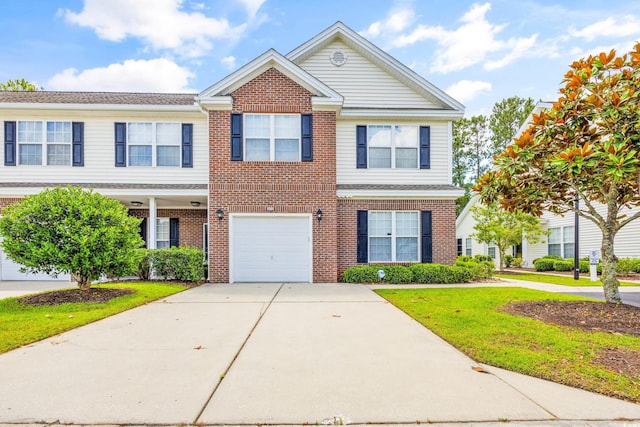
(229, 62)
(161, 24)
(155, 75)
(398, 20)
(474, 41)
(629, 25)
(466, 90)
(252, 6)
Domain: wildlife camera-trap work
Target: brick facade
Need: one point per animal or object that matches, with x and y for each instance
(443, 226)
(190, 223)
(273, 187)
(4, 202)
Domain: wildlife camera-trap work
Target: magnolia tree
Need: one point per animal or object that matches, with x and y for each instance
(503, 228)
(584, 147)
(71, 231)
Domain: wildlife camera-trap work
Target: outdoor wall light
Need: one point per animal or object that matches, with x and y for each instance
(319, 215)
(136, 203)
(220, 214)
(195, 204)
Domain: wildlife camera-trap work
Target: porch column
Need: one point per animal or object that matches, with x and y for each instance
(151, 238)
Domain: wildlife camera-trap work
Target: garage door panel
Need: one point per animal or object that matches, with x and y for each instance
(271, 249)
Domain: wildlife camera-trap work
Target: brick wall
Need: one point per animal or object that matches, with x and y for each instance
(190, 223)
(273, 187)
(443, 226)
(4, 202)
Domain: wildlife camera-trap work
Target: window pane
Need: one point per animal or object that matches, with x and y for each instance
(569, 250)
(491, 251)
(29, 131)
(168, 134)
(554, 249)
(162, 232)
(378, 135)
(379, 223)
(407, 158)
(59, 132)
(30, 154)
(380, 249)
(407, 249)
(287, 150)
(554, 235)
(257, 125)
(407, 223)
(168, 155)
(379, 157)
(59, 154)
(287, 126)
(468, 246)
(406, 136)
(140, 133)
(139, 155)
(568, 235)
(257, 150)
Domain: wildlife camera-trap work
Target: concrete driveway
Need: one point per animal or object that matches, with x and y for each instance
(274, 354)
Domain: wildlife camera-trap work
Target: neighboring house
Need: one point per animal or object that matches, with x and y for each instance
(291, 169)
(560, 239)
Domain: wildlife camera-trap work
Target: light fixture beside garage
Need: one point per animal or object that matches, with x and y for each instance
(220, 214)
(319, 215)
(136, 203)
(195, 204)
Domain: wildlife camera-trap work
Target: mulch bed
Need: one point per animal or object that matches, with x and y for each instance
(92, 295)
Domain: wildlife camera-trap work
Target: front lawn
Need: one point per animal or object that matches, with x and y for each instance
(471, 320)
(21, 324)
(553, 279)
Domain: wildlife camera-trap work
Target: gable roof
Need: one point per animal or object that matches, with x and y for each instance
(380, 58)
(218, 94)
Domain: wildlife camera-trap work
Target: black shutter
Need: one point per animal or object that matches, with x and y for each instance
(77, 144)
(307, 138)
(121, 144)
(174, 232)
(363, 236)
(187, 145)
(361, 147)
(427, 238)
(143, 231)
(236, 137)
(425, 147)
(9, 143)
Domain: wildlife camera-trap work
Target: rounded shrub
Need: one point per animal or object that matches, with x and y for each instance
(458, 274)
(361, 274)
(625, 265)
(480, 270)
(397, 274)
(544, 264)
(584, 266)
(428, 273)
(464, 258)
(563, 265)
(481, 258)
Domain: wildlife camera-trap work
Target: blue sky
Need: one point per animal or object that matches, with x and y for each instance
(479, 52)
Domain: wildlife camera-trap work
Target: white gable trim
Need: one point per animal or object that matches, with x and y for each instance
(368, 49)
(217, 95)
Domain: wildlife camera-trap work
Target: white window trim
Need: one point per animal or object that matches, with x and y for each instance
(468, 246)
(272, 137)
(43, 142)
(393, 146)
(154, 145)
(394, 236)
(168, 225)
(562, 241)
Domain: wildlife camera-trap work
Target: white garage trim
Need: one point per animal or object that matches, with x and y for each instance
(233, 217)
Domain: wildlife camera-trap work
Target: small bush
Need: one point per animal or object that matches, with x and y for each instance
(584, 266)
(397, 274)
(553, 257)
(626, 265)
(464, 258)
(457, 274)
(636, 265)
(144, 265)
(544, 264)
(481, 258)
(508, 260)
(428, 273)
(517, 262)
(361, 274)
(183, 263)
(563, 265)
(480, 270)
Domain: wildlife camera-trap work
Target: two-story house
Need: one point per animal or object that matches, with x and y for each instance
(291, 169)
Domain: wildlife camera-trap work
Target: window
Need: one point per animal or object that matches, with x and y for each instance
(44, 143)
(491, 250)
(458, 247)
(162, 233)
(561, 242)
(272, 137)
(393, 236)
(154, 144)
(468, 246)
(392, 146)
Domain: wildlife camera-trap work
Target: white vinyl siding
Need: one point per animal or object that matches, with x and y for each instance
(99, 155)
(347, 173)
(361, 82)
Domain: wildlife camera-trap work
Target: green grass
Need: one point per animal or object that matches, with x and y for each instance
(22, 324)
(554, 279)
(470, 319)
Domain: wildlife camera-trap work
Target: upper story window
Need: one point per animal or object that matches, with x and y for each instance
(154, 144)
(272, 137)
(44, 143)
(393, 147)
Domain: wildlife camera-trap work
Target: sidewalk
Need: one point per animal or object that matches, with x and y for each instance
(292, 354)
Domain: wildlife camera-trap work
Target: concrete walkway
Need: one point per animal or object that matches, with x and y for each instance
(276, 354)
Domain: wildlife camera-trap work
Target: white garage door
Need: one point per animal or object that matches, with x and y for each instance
(9, 270)
(270, 248)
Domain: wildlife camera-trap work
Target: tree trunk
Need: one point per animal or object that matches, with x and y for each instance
(501, 253)
(610, 282)
(84, 283)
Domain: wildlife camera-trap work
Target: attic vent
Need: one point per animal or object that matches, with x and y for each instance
(338, 58)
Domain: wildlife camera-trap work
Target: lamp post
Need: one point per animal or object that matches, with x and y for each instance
(576, 241)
